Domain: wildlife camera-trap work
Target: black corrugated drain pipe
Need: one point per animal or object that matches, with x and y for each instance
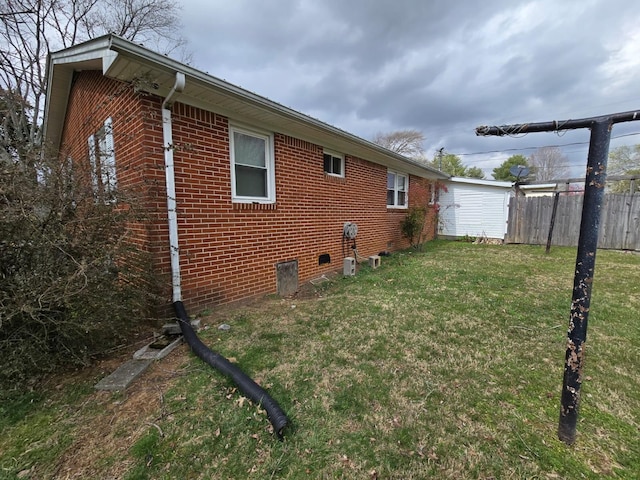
(246, 385)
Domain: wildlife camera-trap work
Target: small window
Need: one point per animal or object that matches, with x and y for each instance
(103, 163)
(252, 166)
(397, 190)
(334, 164)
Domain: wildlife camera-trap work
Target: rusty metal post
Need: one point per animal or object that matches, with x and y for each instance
(556, 196)
(596, 176)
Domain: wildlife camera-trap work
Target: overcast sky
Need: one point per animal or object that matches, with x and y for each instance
(442, 67)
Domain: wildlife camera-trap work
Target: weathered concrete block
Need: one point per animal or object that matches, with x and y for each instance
(124, 375)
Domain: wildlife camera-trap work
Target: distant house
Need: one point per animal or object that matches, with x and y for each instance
(240, 191)
(471, 207)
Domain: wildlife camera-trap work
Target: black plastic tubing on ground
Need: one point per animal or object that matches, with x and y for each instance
(245, 384)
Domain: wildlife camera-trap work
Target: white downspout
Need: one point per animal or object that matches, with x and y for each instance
(172, 213)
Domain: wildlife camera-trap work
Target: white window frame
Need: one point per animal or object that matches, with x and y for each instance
(396, 189)
(103, 162)
(269, 164)
(334, 155)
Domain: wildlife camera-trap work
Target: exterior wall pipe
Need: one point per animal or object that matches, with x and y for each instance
(172, 213)
(246, 385)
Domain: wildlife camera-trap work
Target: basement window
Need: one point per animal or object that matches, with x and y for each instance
(333, 164)
(252, 166)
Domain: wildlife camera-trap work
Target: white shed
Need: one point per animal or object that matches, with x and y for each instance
(473, 207)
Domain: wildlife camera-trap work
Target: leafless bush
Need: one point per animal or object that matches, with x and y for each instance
(72, 283)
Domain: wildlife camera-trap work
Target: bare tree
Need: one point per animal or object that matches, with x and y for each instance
(549, 163)
(405, 142)
(31, 29)
(152, 22)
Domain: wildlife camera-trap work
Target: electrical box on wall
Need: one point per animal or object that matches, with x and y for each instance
(349, 267)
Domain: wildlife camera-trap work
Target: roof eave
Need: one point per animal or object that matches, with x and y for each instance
(124, 60)
(482, 181)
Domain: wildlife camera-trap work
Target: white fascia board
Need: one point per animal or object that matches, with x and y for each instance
(88, 51)
(477, 181)
(60, 67)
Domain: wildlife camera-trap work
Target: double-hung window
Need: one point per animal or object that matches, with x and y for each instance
(397, 190)
(333, 164)
(252, 166)
(103, 163)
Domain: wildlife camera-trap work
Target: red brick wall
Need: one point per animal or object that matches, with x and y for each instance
(229, 251)
(93, 99)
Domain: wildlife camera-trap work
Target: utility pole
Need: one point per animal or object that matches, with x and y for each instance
(440, 153)
(596, 175)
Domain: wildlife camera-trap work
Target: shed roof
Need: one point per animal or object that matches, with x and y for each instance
(477, 181)
(124, 60)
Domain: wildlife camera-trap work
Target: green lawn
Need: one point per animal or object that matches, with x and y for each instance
(445, 363)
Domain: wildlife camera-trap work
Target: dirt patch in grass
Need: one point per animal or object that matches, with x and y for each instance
(113, 421)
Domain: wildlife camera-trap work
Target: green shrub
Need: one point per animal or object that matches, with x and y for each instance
(413, 224)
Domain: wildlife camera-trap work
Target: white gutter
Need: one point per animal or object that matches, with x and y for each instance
(172, 213)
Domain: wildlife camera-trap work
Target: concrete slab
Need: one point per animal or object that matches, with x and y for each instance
(129, 371)
(124, 375)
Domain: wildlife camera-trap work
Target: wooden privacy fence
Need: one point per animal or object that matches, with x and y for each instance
(530, 218)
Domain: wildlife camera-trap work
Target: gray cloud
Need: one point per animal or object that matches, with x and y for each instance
(443, 67)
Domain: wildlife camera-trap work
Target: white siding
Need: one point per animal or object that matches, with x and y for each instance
(474, 210)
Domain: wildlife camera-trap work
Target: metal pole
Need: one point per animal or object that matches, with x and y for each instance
(556, 126)
(553, 221)
(596, 176)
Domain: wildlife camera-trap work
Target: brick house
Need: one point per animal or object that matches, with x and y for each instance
(235, 185)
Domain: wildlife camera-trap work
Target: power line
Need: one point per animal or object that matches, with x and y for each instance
(535, 148)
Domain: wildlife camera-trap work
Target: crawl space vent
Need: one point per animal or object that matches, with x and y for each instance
(287, 277)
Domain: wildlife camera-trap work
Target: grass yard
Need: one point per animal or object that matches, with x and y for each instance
(445, 363)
